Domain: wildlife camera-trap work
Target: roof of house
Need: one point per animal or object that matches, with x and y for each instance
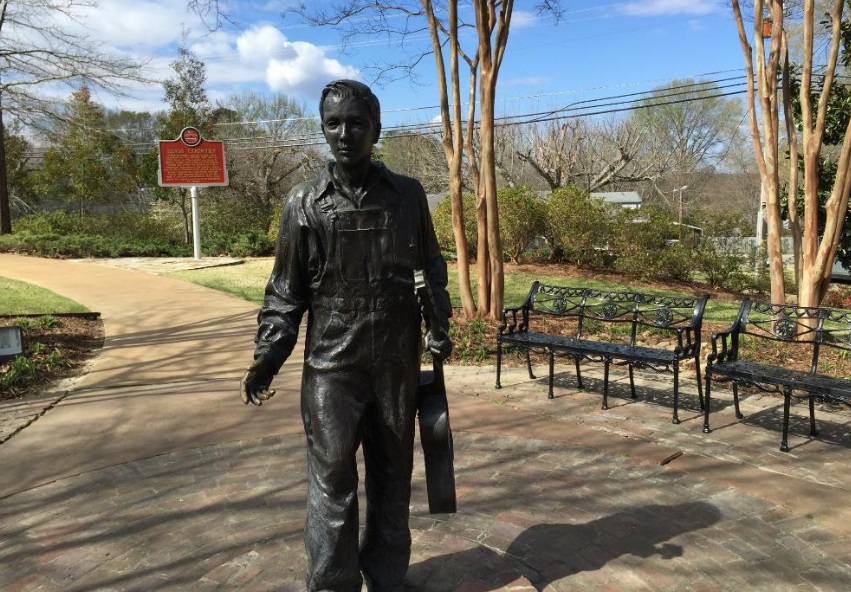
(618, 197)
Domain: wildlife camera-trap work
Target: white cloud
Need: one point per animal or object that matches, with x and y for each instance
(523, 18)
(305, 73)
(670, 7)
(297, 68)
(139, 24)
(259, 57)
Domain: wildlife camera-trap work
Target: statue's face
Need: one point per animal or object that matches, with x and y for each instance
(348, 129)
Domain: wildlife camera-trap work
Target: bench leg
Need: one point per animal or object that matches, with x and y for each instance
(699, 381)
(632, 383)
(787, 400)
(813, 429)
(529, 365)
(706, 429)
(578, 374)
(676, 419)
(498, 363)
(605, 384)
(552, 372)
(736, 401)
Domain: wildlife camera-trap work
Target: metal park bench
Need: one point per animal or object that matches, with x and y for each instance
(628, 317)
(782, 349)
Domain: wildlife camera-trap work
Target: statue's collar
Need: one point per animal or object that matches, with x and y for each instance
(378, 173)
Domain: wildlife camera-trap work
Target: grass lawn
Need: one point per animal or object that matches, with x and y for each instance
(246, 281)
(249, 280)
(17, 298)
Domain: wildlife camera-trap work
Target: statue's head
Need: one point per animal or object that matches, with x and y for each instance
(353, 90)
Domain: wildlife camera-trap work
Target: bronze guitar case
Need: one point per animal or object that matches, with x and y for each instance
(433, 414)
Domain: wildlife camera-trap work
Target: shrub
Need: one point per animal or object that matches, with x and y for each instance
(221, 216)
(838, 297)
(639, 243)
(721, 256)
(577, 227)
(136, 225)
(441, 216)
(676, 262)
(78, 246)
(247, 244)
(275, 223)
(522, 218)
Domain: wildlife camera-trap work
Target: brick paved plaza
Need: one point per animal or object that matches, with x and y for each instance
(148, 473)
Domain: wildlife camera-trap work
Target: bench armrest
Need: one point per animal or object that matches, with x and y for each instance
(725, 346)
(510, 323)
(688, 341)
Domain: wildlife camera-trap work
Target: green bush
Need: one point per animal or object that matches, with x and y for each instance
(578, 227)
(722, 254)
(134, 225)
(641, 245)
(77, 246)
(247, 244)
(676, 262)
(223, 216)
(275, 223)
(441, 216)
(522, 218)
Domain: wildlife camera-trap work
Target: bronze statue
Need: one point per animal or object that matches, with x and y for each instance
(348, 245)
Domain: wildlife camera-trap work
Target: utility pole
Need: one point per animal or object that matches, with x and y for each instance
(680, 208)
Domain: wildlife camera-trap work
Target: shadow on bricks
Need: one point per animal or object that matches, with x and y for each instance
(546, 553)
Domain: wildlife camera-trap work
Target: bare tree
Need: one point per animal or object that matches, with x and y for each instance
(814, 253)
(474, 138)
(418, 155)
(36, 51)
(270, 146)
(591, 154)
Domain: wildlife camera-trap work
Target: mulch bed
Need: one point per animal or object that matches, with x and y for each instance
(76, 338)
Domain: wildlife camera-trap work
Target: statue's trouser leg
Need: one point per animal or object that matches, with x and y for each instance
(339, 410)
(332, 406)
(388, 441)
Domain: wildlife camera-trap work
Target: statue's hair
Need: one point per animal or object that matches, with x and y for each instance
(344, 89)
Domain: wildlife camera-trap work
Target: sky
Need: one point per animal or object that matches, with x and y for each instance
(599, 49)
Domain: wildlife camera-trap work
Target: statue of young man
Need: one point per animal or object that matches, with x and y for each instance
(348, 246)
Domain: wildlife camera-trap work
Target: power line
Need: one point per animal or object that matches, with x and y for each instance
(587, 108)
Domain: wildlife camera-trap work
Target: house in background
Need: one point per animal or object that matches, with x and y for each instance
(625, 199)
(435, 198)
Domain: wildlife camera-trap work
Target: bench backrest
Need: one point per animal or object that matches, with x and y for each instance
(634, 311)
(797, 334)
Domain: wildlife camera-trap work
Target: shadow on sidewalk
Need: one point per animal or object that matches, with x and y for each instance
(547, 553)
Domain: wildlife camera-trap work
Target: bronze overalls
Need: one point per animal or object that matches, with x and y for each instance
(359, 388)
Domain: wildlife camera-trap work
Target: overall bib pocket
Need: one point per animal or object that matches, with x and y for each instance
(366, 249)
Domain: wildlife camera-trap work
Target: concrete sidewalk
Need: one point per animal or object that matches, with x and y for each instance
(149, 474)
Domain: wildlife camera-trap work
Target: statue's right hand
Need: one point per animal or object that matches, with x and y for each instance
(254, 386)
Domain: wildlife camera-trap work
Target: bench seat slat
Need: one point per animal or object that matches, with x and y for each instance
(815, 384)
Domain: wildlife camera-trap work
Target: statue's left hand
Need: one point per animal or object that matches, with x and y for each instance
(439, 344)
(254, 386)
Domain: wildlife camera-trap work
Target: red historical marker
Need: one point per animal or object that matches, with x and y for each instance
(192, 161)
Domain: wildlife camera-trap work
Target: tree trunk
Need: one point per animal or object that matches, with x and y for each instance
(764, 84)
(184, 211)
(5, 209)
(453, 148)
(792, 192)
(487, 186)
(483, 280)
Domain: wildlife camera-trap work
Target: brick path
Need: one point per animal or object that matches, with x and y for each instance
(138, 479)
